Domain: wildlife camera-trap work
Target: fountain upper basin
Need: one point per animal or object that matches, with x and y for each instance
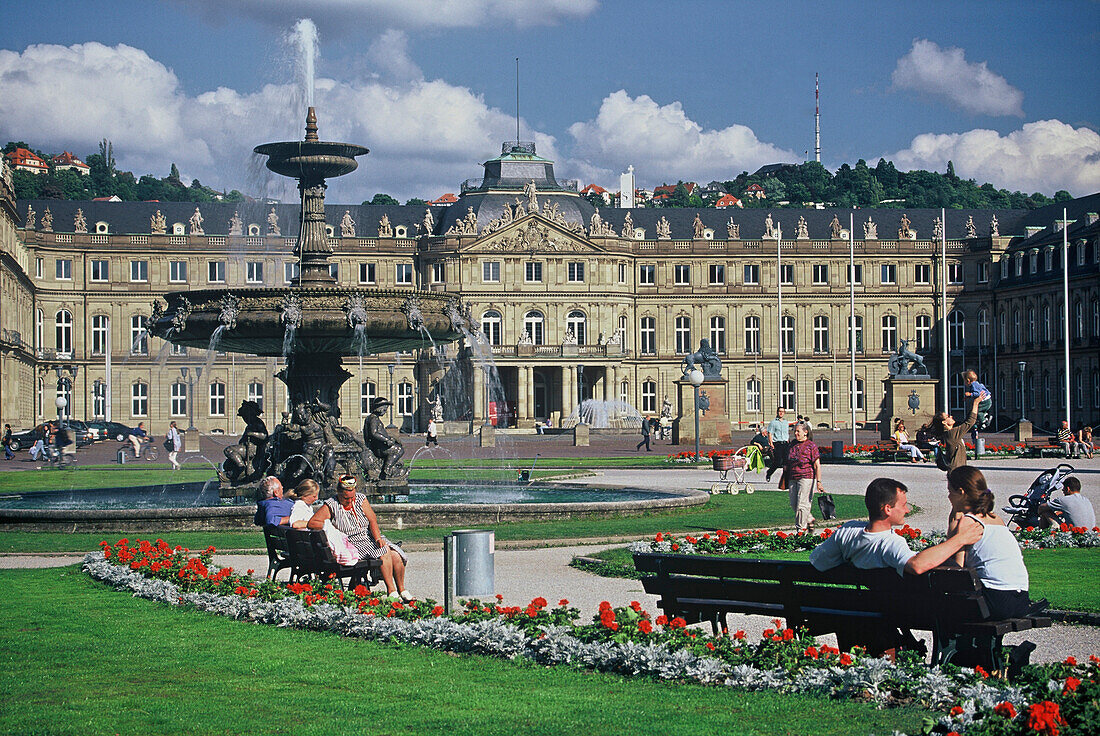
(311, 160)
(258, 325)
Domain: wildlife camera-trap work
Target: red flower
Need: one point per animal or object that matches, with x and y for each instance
(981, 670)
(645, 627)
(768, 633)
(1044, 718)
(1071, 661)
(563, 602)
(957, 711)
(660, 537)
(1071, 685)
(1005, 709)
(677, 623)
(845, 659)
(661, 620)
(500, 597)
(361, 591)
(710, 646)
(539, 602)
(739, 634)
(810, 652)
(636, 606)
(437, 611)
(675, 547)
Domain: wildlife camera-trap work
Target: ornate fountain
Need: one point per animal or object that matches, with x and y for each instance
(313, 323)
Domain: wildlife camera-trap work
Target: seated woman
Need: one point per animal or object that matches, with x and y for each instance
(305, 494)
(902, 438)
(354, 517)
(996, 555)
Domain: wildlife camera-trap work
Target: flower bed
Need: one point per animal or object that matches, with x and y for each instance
(624, 639)
(722, 542)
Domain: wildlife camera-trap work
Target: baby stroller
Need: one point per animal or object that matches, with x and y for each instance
(742, 460)
(1023, 509)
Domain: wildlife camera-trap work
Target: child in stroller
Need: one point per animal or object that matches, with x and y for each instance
(1023, 509)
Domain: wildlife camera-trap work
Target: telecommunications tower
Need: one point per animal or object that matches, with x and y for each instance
(817, 122)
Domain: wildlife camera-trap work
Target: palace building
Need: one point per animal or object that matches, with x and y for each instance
(573, 303)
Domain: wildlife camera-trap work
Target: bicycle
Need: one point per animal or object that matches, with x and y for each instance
(149, 451)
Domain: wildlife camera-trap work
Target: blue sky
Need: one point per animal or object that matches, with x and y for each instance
(680, 90)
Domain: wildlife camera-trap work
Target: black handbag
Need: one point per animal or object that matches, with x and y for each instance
(169, 444)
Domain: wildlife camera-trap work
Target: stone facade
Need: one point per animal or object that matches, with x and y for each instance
(550, 296)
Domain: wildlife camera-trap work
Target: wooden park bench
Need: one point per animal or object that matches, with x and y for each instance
(1041, 446)
(311, 559)
(888, 450)
(948, 601)
(278, 551)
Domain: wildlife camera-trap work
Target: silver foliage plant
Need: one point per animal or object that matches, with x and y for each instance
(874, 678)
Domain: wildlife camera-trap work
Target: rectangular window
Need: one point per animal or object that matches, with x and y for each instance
(752, 274)
(786, 394)
(490, 271)
(717, 272)
(576, 272)
(291, 271)
(367, 391)
(100, 271)
(139, 400)
(752, 395)
(647, 274)
(254, 272)
(622, 273)
(405, 399)
(857, 394)
(889, 273)
(858, 280)
(922, 273)
(983, 272)
(38, 268)
(439, 272)
(367, 273)
(954, 273)
(821, 274)
(100, 328)
(404, 273)
(648, 335)
(649, 397)
(889, 333)
(786, 274)
(178, 401)
(683, 335)
(821, 394)
(64, 269)
(334, 271)
(215, 272)
(217, 399)
(139, 336)
(532, 272)
(681, 274)
(139, 271)
(177, 271)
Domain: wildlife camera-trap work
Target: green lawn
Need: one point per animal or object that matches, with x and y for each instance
(743, 511)
(94, 661)
(1055, 574)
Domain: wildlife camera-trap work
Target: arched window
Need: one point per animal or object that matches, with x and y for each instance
(718, 334)
(1044, 323)
(889, 333)
(1078, 319)
(576, 321)
(367, 391)
(38, 329)
(1015, 326)
(956, 327)
(983, 327)
(1078, 389)
(492, 327)
(648, 335)
(63, 324)
(99, 399)
(1032, 325)
(786, 334)
(139, 336)
(256, 393)
(752, 335)
(624, 392)
(752, 395)
(1002, 329)
(649, 397)
(683, 335)
(821, 334)
(924, 332)
(533, 326)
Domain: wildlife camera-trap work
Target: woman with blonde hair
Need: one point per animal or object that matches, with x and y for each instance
(305, 494)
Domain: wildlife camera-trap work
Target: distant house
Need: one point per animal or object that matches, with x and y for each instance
(445, 199)
(112, 198)
(728, 200)
(23, 160)
(754, 190)
(714, 189)
(66, 161)
(665, 191)
(597, 189)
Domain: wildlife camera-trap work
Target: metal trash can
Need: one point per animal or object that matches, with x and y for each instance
(467, 565)
(838, 449)
(980, 446)
(121, 457)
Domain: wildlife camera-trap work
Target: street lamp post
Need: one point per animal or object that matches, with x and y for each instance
(64, 390)
(1022, 365)
(390, 368)
(488, 394)
(695, 377)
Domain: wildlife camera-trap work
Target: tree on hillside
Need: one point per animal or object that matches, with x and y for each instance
(417, 201)
(381, 198)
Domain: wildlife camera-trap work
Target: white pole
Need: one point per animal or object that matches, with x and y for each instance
(107, 370)
(852, 318)
(943, 304)
(1065, 305)
(779, 294)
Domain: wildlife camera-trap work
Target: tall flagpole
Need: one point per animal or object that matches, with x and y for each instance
(1065, 305)
(943, 305)
(852, 318)
(779, 294)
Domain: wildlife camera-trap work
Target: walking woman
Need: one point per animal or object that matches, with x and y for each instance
(950, 434)
(801, 475)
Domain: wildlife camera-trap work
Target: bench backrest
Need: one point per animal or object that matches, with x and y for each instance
(277, 547)
(302, 549)
(802, 591)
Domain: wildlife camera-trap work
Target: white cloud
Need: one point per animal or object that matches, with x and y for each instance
(343, 17)
(389, 53)
(946, 72)
(425, 136)
(1043, 156)
(663, 143)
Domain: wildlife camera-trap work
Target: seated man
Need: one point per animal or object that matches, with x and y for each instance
(1072, 508)
(1067, 440)
(272, 509)
(873, 544)
(762, 442)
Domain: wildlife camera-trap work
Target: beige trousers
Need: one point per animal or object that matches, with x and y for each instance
(800, 491)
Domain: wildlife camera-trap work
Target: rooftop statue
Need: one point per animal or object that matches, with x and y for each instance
(698, 228)
(80, 225)
(937, 228)
(628, 226)
(530, 191)
(733, 230)
(769, 227)
(803, 232)
(971, 230)
(904, 232)
(427, 225)
(195, 223)
(385, 229)
(157, 224)
(870, 230)
(47, 221)
(347, 225)
(994, 228)
(236, 226)
(664, 232)
(273, 223)
(29, 221)
(835, 228)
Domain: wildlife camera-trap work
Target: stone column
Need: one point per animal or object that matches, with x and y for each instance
(530, 392)
(612, 375)
(607, 393)
(523, 380)
(568, 390)
(479, 394)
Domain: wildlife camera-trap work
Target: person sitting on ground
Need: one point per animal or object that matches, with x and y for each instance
(305, 494)
(272, 509)
(353, 515)
(902, 438)
(995, 555)
(1072, 508)
(950, 434)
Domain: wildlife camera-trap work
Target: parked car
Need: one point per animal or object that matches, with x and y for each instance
(111, 429)
(83, 434)
(23, 439)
